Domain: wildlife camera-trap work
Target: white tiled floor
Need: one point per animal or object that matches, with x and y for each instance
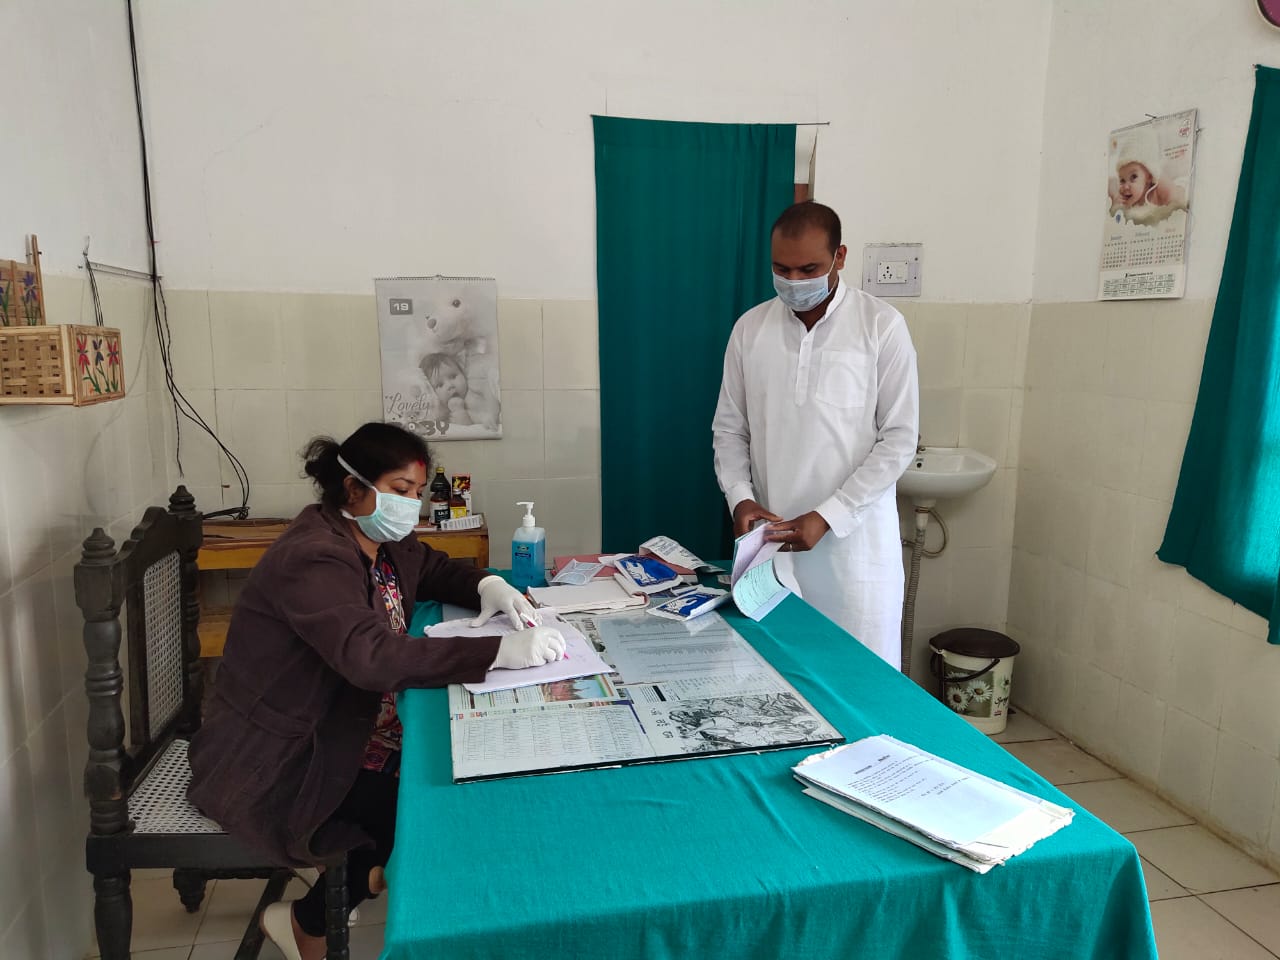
(1208, 900)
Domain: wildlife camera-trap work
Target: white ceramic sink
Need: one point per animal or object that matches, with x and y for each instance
(940, 473)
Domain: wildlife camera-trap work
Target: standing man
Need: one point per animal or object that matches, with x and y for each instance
(818, 418)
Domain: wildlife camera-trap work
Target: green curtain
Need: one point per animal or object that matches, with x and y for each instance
(683, 212)
(1224, 526)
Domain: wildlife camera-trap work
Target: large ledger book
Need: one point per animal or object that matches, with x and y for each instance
(681, 690)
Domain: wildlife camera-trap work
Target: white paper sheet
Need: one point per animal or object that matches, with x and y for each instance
(756, 587)
(646, 649)
(580, 660)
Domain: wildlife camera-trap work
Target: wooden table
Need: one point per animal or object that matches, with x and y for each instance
(239, 544)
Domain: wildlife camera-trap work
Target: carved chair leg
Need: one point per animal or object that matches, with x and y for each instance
(113, 915)
(191, 885)
(336, 911)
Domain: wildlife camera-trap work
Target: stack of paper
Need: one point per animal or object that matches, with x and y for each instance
(595, 596)
(939, 806)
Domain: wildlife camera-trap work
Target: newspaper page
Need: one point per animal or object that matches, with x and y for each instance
(1144, 242)
(681, 690)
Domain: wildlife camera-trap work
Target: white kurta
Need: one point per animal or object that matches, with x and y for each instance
(826, 420)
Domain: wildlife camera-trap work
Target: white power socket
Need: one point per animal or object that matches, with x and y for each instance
(892, 269)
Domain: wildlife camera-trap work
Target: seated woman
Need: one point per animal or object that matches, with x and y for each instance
(299, 750)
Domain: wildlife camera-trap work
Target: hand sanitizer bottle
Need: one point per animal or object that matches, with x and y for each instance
(528, 551)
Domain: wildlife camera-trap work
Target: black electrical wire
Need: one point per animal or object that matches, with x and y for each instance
(160, 309)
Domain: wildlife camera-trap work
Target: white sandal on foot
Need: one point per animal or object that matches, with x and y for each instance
(277, 924)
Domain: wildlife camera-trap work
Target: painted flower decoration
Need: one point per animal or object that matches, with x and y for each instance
(113, 353)
(82, 356)
(980, 691)
(957, 699)
(97, 350)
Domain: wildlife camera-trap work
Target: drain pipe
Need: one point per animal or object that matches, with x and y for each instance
(913, 582)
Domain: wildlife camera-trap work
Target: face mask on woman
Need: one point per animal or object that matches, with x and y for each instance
(393, 517)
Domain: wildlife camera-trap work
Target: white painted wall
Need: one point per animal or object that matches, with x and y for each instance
(70, 167)
(311, 147)
(1112, 63)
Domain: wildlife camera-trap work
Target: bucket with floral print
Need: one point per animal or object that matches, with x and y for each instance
(974, 668)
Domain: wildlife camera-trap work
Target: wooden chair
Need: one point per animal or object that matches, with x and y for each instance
(139, 815)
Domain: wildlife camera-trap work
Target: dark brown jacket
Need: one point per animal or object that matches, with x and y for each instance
(309, 653)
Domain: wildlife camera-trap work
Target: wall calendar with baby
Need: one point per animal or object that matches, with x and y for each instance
(1144, 240)
(438, 337)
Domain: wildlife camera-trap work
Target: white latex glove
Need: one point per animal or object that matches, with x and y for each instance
(529, 648)
(498, 596)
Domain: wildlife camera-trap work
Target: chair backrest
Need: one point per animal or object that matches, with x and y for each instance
(153, 577)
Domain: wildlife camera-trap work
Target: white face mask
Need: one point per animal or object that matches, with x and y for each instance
(393, 517)
(802, 295)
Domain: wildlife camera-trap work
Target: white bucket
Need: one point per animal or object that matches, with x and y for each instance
(976, 688)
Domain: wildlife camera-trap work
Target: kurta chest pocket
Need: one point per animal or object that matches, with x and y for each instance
(842, 378)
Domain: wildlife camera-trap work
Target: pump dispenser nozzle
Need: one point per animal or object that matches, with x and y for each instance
(528, 520)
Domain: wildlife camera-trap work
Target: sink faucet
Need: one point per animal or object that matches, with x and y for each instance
(919, 443)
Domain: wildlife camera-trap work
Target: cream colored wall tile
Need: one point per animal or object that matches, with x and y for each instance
(572, 516)
(1151, 576)
(52, 783)
(938, 334)
(280, 499)
(1252, 679)
(979, 587)
(1066, 609)
(1036, 450)
(252, 424)
(1139, 732)
(1032, 520)
(246, 333)
(1187, 761)
(191, 343)
(977, 520)
(522, 450)
(1244, 789)
(25, 472)
(1118, 457)
(520, 335)
(57, 467)
(985, 422)
(1070, 513)
(1111, 536)
(67, 298)
(940, 416)
(1096, 702)
(1167, 427)
(1179, 331)
(572, 432)
(1127, 357)
(199, 452)
(333, 413)
(991, 345)
(328, 342)
(1026, 594)
(1248, 622)
(1013, 452)
(1023, 337)
(474, 457)
(1075, 435)
(571, 345)
(1204, 600)
(1082, 360)
(1147, 653)
(1106, 624)
(17, 836)
(34, 627)
(1199, 666)
(1043, 371)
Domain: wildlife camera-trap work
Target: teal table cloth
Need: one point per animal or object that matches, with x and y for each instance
(724, 857)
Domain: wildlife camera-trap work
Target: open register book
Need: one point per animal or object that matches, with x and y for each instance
(939, 806)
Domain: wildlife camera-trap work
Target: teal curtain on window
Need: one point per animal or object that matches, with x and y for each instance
(683, 212)
(1224, 526)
